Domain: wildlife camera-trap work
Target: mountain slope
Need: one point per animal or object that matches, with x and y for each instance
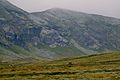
(22, 36)
(17, 32)
(88, 32)
(55, 33)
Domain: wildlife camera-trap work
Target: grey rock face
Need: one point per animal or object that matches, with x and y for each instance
(18, 27)
(93, 32)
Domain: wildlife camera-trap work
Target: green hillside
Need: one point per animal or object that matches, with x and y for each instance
(92, 67)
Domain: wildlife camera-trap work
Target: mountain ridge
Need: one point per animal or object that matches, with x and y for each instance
(55, 33)
(55, 15)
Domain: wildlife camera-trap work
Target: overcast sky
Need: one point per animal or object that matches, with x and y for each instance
(102, 7)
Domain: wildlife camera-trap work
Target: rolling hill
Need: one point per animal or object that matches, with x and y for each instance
(93, 67)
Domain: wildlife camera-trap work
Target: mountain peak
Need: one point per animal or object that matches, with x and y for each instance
(9, 6)
(63, 11)
(59, 9)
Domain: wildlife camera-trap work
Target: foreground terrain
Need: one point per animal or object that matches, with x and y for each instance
(93, 67)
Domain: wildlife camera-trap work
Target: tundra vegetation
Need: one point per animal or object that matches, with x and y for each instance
(93, 67)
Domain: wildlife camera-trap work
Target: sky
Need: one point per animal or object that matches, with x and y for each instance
(101, 7)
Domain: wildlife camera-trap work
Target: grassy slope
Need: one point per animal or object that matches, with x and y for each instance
(63, 51)
(93, 67)
(12, 53)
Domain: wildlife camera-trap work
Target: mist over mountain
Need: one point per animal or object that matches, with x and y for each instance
(55, 33)
(102, 7)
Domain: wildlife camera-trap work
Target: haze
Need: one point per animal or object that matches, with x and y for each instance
(102, 7)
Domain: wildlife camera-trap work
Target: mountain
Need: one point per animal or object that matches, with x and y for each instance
(89, 33)
(18, 32)
(54, 33)
(22, 36)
